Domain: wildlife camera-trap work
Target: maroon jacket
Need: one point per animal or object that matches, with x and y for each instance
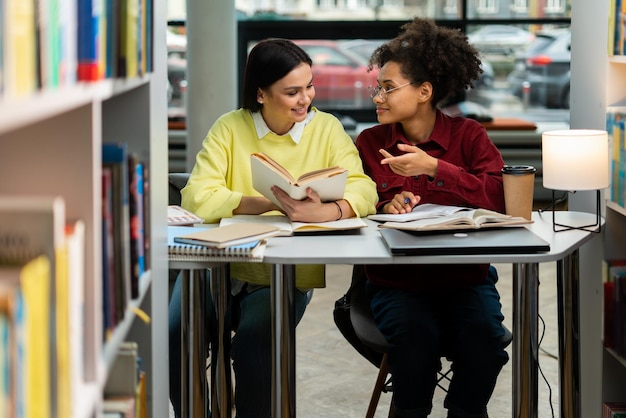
(468, 174)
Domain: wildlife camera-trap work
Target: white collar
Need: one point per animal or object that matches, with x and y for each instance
(295, 132)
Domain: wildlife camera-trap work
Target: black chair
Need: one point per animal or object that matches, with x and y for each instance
(176, 182)
(373, 345)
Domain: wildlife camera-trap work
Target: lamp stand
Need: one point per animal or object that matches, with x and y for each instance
(596, 227)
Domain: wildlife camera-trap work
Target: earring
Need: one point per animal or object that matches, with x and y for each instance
(260, 101)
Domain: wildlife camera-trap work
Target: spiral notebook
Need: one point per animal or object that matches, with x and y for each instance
(247, 252)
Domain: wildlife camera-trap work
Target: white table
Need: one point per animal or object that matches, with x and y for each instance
(367, 247)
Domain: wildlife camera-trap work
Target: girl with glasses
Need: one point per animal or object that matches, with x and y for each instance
(417, 154)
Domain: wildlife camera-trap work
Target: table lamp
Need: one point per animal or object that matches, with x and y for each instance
(572, 160)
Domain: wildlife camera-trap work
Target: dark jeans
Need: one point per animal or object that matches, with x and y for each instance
(250, 349)
(463, 324)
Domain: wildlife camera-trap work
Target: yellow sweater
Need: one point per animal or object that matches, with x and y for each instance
(221, 175)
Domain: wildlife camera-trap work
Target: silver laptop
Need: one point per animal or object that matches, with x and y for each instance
(517, 240)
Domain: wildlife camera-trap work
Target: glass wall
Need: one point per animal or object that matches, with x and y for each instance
(524, 45)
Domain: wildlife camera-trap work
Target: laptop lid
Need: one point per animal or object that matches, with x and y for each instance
(517, 240)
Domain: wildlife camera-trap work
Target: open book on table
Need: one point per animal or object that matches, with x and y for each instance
(461, 219)
(329, 183)
(287, 227)
(423, 211)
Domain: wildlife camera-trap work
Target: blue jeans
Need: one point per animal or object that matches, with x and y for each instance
(250, 349)
(463, 324)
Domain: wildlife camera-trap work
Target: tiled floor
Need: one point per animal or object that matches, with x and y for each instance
(334, 381)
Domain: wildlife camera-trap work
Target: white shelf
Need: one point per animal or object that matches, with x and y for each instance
(45, 105)
(51, 144)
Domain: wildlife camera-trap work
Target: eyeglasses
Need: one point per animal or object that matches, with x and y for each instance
(382, 92)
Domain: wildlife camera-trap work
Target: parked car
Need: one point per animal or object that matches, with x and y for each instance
(500, 39)
(365, 47)
(340, 77)
(545, 64)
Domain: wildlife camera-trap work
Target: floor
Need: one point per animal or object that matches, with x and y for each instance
(334, 381)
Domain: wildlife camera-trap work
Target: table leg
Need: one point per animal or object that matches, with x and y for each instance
(220, 347)
(283, 287)
(525, 340)
(193, 342)
(568, 281)
(186, 405)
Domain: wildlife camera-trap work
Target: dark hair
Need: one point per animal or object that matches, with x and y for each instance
(427, 52)
(269, 61)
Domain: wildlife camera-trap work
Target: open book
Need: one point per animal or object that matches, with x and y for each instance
(329, 183)
(288, 227)
(423, 211)
(462, 219)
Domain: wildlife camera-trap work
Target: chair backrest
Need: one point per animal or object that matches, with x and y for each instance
(176, 183)
(345, 315)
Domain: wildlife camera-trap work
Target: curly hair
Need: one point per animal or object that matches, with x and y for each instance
(427, 52)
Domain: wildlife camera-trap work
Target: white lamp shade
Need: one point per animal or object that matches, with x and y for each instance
(576, 159)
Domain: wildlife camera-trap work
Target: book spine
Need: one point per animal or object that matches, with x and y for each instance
(89, 12)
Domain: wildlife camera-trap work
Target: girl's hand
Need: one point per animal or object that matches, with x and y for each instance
(309, 209)
(413, 163)
(401, 203)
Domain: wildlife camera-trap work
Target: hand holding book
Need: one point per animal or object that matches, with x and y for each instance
(329, 183)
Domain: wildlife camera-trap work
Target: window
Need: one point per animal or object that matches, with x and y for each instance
(340, 35)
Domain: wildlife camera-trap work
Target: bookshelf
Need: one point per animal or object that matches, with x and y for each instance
(614, 363)
(51, 144)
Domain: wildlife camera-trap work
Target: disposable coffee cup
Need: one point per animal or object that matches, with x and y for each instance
(519, 182)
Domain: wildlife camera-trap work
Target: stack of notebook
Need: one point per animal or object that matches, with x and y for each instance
(238, 242)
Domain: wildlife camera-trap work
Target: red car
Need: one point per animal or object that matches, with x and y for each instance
(340, 77)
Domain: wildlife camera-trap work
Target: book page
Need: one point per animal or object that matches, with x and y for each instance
(423, 211)
(465, 219)
(289, 228)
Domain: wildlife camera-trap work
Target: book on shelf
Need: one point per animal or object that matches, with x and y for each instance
(78, 343)
(225, 236)
(329, 183)
(617, 27)
(460, 220)
(124, 373)
(615, 127)
(423, 211)
(136, 222)
(20, 48)
(115, 156)
(177, 215)
(31, 366)
(109, 317)
(288, 227)
(90, 15)
(614, 410)
(251, 251)
(33, 226)
(615, 306)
